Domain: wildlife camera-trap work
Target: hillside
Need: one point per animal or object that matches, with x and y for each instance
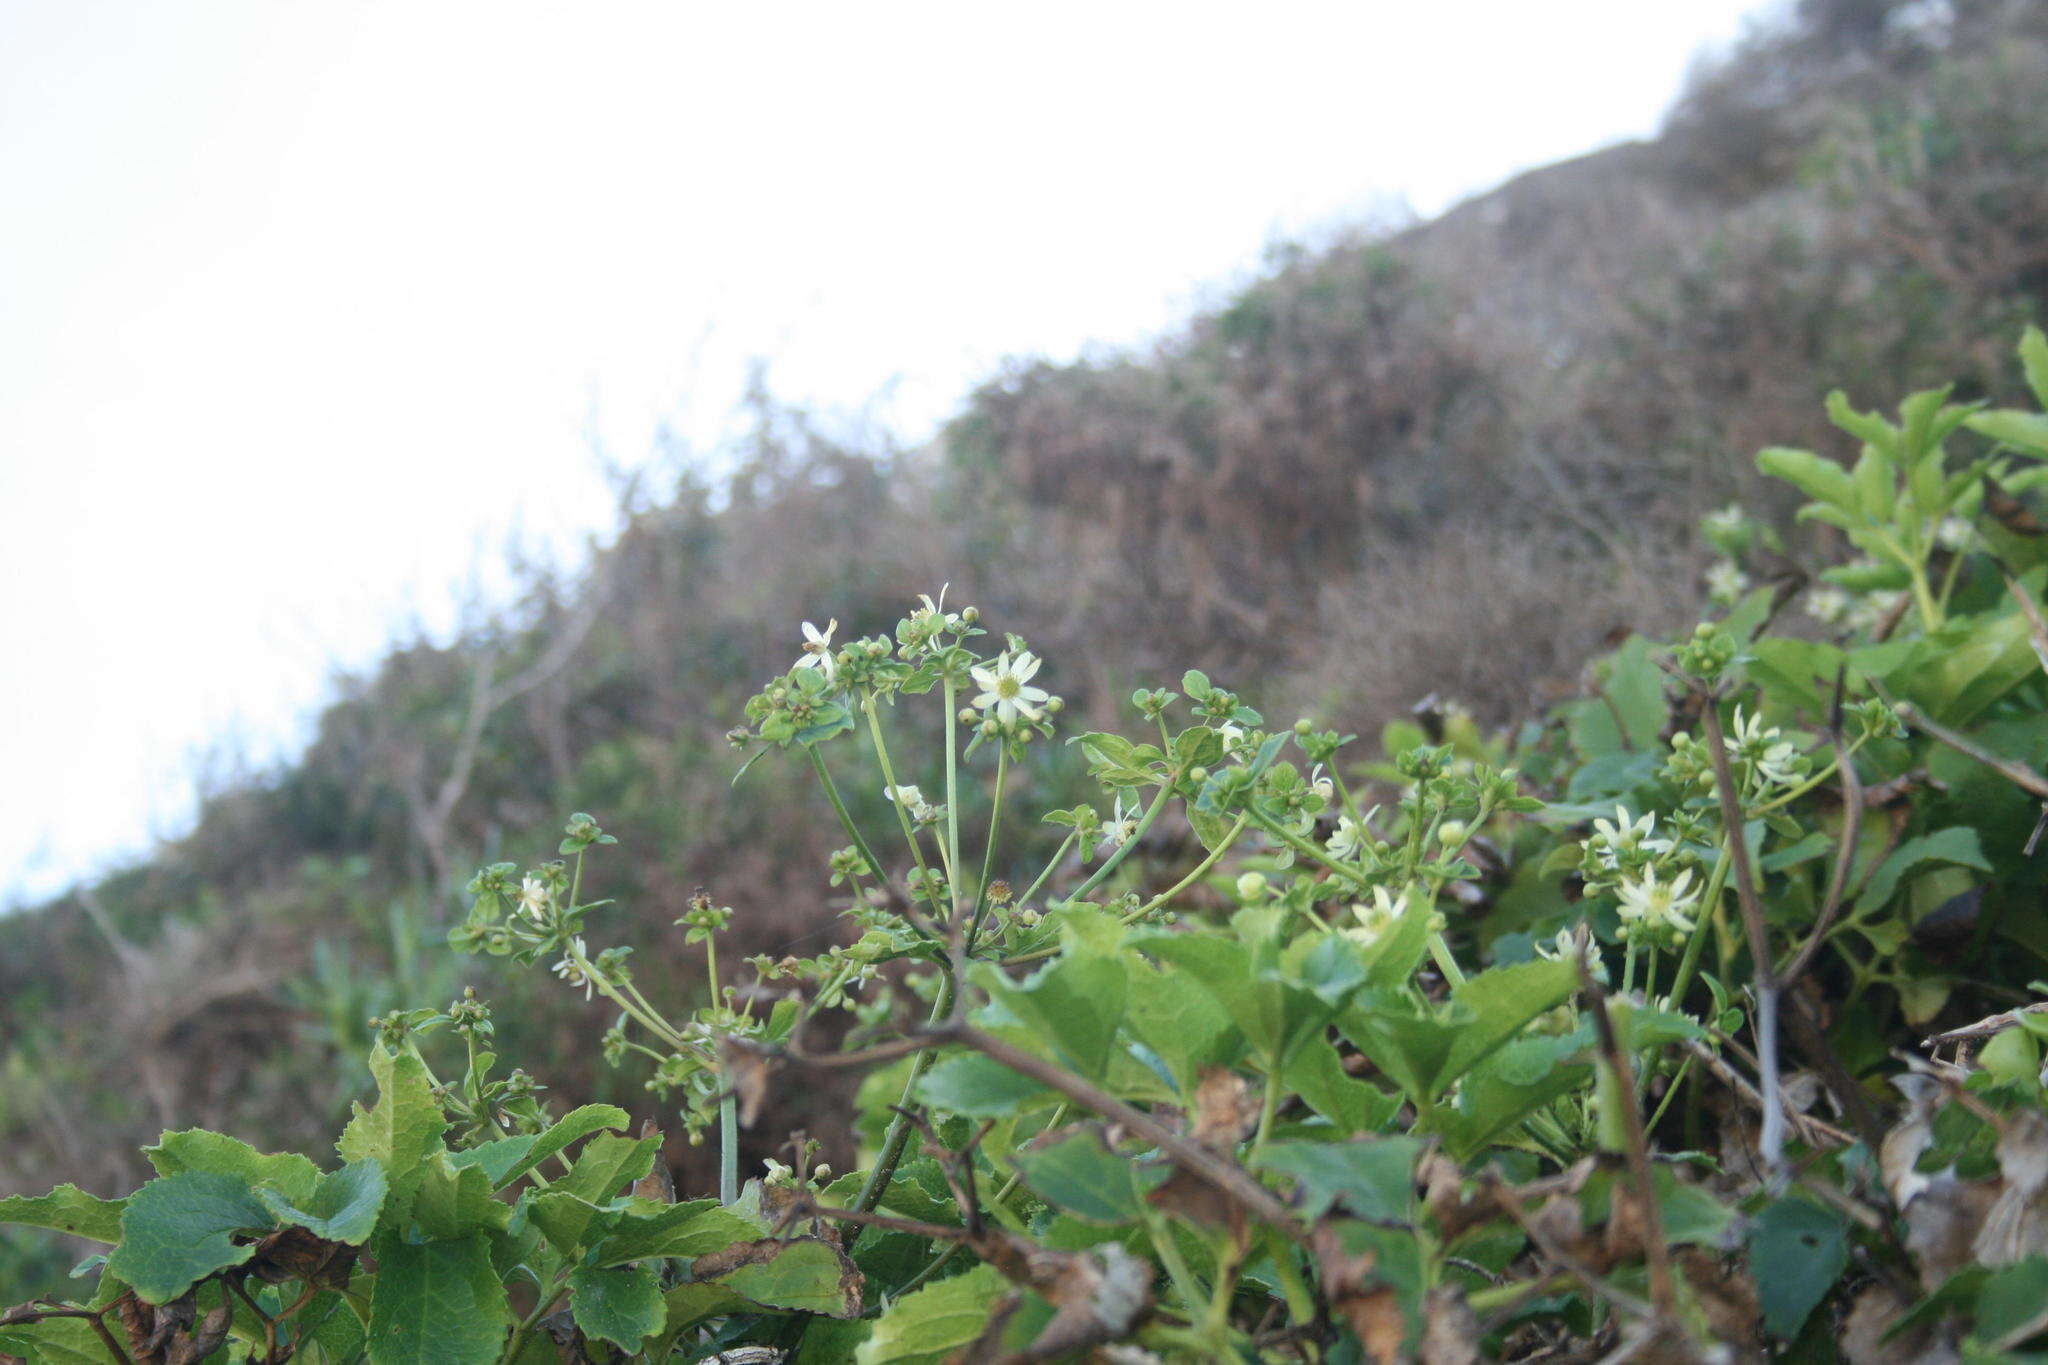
(1453, 460)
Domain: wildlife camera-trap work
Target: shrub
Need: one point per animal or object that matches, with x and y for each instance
(1583, 1038)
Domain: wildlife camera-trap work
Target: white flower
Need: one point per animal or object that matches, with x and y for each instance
(1828, 605)
(934, 614)
(1377, 918)
(1775, 759)
(1610, 841)
(1565, 948)
(818, 649)
(1726, 521)
(777, 1174)
(1658, 905)
(533, 899)
(1725, 580)
(1871, 609)
(1952, 533)
(1120, 828)
(1344, 841)
(1006, 688)
(1232, 736)
(913, 802)
(1322, 784)
(574, 969)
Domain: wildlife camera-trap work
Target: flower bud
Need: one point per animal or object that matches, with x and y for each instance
(1304, 726)
(1251, 886)
(1452, 833)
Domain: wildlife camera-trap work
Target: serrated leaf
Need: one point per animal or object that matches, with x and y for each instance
(927, 1326)
(178, 1229)
(803, 1274)
(454, 1201)
(606, 1165)
(400, 1133)
(436, 1303)
(1373, 1179)
(343, 1206)
(55, 1341)
(622, 1305)
(1074, 1170)
(1797, 1249)
(1957, 845)
(568, 1221)
(196, 1149)
(979, 1087)
(66, 1209)
(696, 1228)
(1818, 478)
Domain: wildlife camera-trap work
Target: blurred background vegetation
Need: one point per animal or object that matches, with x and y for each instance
(1452, 459)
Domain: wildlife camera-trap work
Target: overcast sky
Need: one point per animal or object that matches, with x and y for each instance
(306, 306)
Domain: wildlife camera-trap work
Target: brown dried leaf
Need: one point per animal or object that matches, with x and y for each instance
(1909, 1138)
(1450, 1331)
(1367, 1303)
(1226, 1109)
(658, 1184)
(210, 1336)
(1724, 1291)
(2016, 1226)
(2009, 512)
(1943, 1223)
(749, 1073)
(1871, 1318)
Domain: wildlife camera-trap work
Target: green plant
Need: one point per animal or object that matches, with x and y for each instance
(1470, 1048)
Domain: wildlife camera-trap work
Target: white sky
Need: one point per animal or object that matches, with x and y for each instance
(307, 305)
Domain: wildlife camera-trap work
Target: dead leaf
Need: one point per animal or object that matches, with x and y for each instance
(1450, 1331)
(748, 1072)
(1365, 1301)
(1226, 1109)
(658, 1184)
(2016, 1226)
(1871, 1317)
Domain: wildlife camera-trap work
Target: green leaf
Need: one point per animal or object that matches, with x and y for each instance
(622, 1305)
(2009, 1307)
(802, 1274)
(925, 1327)
(696, 1228)
(569, 1222)
(979, 1087)
(178, 1229)
(400, 1133)
(196, 1149)
(1075, 1001)
(1502, 1000)
(1317, 1074)
(1635, 686)
(2026, 431)
(56, 1341)
(1075, 1170)
(1374, 1179)
(1188, 1030)
(436, 1303)
(2034, 362)
(66, 1209)
(1866, 427)
(606, 1165)
(1956, 845)
(1797, 1249)
(1818, 478)
(454, 1201)
(343, 1206)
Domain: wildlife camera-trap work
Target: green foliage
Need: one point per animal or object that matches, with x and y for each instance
(1459, 1004)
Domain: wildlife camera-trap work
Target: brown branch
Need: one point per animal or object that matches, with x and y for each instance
(1845, 852)
(1655, 1250)
(2014, 771)
(1766, 1019)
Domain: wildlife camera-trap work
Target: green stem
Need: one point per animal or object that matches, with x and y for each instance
(988, 855)
(1793, 793)
(1117, 855)
(1201, 870)
(839, 808)
(889, 777)
(876, 1186)
(953, 864)
(1717, 880)
(1058, 856)
(1267, 1109)
(728, 1141)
